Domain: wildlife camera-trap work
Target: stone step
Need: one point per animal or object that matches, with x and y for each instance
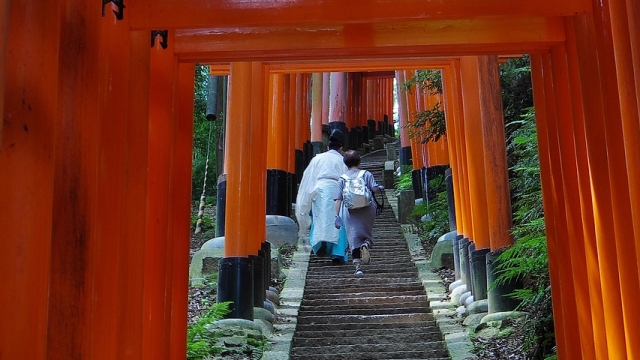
(374, 338)
(319, 295)
(366, 319)
(368, 351)
(428, 334)
(383, 314)
(372, 310)
(359, 300)
(400, 326)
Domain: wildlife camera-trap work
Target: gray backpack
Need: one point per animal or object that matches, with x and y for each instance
(355, 194)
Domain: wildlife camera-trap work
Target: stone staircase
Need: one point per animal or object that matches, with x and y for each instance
(383, 314)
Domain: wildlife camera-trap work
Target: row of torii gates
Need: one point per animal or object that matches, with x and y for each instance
(95, 153)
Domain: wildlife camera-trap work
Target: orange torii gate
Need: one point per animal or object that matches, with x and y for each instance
(95, 152)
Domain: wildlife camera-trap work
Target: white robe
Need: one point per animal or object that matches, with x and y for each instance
(317, 190)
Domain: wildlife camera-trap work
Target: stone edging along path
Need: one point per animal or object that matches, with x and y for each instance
(455, 335)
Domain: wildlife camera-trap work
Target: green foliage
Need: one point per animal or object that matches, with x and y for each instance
(200, 338)
(207, 225)
(429, 80)
(437, 211)
(207, 136)
(527, 259)
(430, 124)
(404, 181)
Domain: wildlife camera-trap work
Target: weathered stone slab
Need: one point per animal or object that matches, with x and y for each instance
(281, 230)
(442, 254)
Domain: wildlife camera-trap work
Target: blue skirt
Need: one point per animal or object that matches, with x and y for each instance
(334, 251)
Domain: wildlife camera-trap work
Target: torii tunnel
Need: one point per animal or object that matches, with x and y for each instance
(96, 145)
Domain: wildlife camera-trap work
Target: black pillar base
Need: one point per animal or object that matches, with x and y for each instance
(292, 192)
(358, 137)
(278, 192)
(385, 125)
(372, 128)
(300, 165)
(221, 204)
(497, 295)
(259, 292)
(265, 252)
(464, 265)
(451, 204)
(471, 247)
(318, 147)
(307, 149)
(365, 134)
(235, 284)
(405, 156)
(416, 181)
(479, 273)
(456, 256)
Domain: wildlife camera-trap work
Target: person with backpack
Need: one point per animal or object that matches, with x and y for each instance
(314, 203)
(354, 200)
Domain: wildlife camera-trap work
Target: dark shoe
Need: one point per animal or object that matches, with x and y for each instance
(364, 254)
(336, 261)
(322, 252)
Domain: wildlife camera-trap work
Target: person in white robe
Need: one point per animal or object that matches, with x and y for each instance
(315, 205)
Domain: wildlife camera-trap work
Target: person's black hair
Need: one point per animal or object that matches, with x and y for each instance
(351, 158)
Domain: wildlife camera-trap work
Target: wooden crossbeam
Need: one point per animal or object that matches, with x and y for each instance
(502, 35)
(154, 14)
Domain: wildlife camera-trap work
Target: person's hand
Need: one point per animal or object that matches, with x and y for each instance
(338, 222)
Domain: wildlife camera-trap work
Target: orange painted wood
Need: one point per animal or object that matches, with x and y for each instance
(421, 105)
(358, 65)
(4, 25)
(132, 252)
(461, 148)
(337, 96)
(402, 109)
(300, 136)
(326, 80)
(471, 89)
(181, 210)
(257, 181)
(27, 168)
(623, 36)
(161, 142)
(414, 38)
(317, 91)
(627, 252)
(495, 154)
(305, 129)
(586, 205)
(370, 90)
(349, 109)
(416, 158)
(572, 306)
(378, 110)
(584, 29)
(558, 295)
(450, 102)
(111, 142)
(291, 127)
(237, 241)
(74, 230)
(218, 69)
(277, 134)
(561, 136)
(149, 14)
